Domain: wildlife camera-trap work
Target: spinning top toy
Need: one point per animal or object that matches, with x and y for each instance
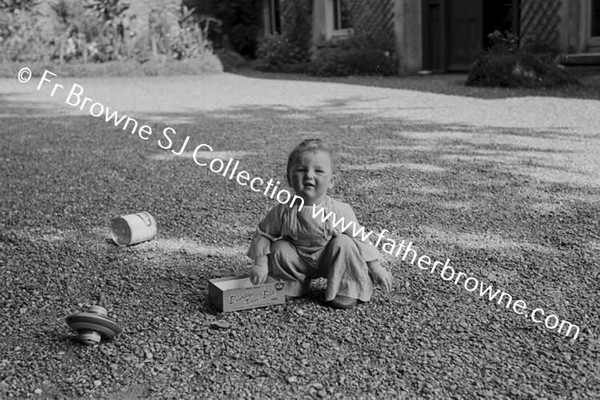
(93, 325)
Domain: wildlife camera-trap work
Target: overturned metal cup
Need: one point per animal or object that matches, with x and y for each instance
(132, 229)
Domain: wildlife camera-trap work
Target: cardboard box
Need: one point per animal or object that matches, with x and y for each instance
(238, 293)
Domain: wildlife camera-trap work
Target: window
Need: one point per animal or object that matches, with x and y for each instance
(333, 18)
(273, 17)
(341, 15)
(595, 18)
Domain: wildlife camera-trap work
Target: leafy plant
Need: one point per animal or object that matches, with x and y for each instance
(95, 30)
(510, 62)
(190, 41)
(93, 27)
(503, 43)
(110, 42)
(21, 35)
(275, 51)
(241, 24)
(230, 59)
(76, 30)
(159, 32)
(297, 29)
(10, 6)
(109, 10)
(355, 55)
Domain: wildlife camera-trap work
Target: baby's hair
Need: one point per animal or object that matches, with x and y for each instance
(309, 145)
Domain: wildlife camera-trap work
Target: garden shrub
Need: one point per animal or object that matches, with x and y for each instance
(297, 29)
(95, 27)
(276, 52)
(240, 24)
(510, 64)
(88, 37)
(230, 59)
(21, 36)
(199, 65)
(187, 41)
(353, 56)
(288, 51)
(206, 64)
(76, 28)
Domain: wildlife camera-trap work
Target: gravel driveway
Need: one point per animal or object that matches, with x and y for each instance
(508, 188)
(576, 121)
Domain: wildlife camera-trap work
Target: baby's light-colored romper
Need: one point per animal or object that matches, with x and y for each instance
(301, 248)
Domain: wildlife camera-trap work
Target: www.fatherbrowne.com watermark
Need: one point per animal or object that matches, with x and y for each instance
(229, 169)
(447, 272)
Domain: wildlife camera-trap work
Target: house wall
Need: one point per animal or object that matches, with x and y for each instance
(319, 31)
(561, 22)
(408, 35)
(541, 20)
(296, 21)
(576, 30)
(375, 19)
(371, 18)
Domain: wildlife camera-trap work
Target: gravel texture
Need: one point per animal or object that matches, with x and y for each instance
(507, 188)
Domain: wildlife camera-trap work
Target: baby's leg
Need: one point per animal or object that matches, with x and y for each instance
(285, 263)
(347, 272)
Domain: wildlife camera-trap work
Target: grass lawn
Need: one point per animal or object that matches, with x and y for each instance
(515, 208)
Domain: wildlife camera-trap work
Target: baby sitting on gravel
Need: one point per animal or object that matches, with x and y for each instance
(291, 245)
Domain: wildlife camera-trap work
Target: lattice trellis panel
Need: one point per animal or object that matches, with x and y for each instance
(540, 20)
(296, 21)
(375, 18)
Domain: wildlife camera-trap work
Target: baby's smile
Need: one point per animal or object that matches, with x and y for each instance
(311, 176)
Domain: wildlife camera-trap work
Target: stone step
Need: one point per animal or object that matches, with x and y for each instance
(581, 59)
(583, 71)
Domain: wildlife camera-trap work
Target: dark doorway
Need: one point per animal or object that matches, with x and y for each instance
(595, 18)
(455, 32)
(241, 21)
(434, 20)
(499, 15)
(465, 33)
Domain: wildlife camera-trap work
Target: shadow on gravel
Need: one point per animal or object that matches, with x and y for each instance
(15, 108)
(448, 84)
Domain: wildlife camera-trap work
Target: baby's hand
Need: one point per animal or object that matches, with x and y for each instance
(381, 275)
(258, 273)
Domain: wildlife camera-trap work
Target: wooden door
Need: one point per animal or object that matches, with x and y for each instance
(465, 33)
(434, 35)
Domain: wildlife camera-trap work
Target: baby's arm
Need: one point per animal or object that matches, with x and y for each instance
(380, 275)
(268, 230)
(259, 271)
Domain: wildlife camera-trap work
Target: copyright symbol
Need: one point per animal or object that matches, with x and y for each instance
(24, 75)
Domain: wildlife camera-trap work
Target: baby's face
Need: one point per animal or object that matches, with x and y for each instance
(311, 176)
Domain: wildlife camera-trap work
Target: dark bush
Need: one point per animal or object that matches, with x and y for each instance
(297, 28)
(230, 59)
(276, 51)
(510, 64)
(240, 23)
(353, 56)
(517, 70)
